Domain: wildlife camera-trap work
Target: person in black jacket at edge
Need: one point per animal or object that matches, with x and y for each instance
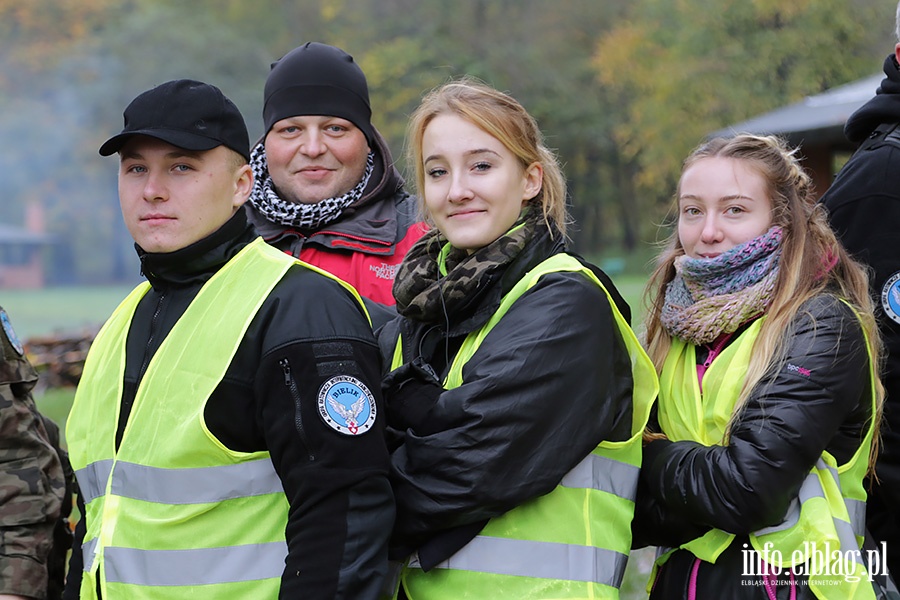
(762, 330)
(518, 393)
(227, 433)
(863, 204)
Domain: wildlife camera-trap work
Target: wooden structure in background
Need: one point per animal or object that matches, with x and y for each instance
(816, 125)
(21, 258)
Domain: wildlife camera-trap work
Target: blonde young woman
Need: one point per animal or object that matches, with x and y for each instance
(519, 391)
(761, 329)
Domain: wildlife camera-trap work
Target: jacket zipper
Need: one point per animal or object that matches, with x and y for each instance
(715, 350)
(349, 236)
(153, 326)
(295, 395)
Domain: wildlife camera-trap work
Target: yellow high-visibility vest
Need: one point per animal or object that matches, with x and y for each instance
(828, 515)
(573, 542)
(174, 514)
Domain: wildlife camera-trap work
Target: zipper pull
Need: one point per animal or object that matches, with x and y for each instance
(286, 369)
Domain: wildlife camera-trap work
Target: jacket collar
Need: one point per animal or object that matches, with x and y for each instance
(883, 108)
(198, 262)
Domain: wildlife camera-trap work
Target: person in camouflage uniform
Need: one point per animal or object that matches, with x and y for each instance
(32, 484)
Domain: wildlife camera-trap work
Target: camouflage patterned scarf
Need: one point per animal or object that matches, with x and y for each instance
(437, 280)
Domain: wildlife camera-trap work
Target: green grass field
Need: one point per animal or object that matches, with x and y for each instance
(68, 309)
(54, 310)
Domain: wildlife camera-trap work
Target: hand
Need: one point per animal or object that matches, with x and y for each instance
(410, 392)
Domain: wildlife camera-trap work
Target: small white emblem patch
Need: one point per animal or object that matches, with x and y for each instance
(890, 297)
(11, 333)
(346, 405)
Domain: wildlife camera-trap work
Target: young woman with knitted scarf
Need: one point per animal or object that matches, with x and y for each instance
(762, 332)
(518, 393)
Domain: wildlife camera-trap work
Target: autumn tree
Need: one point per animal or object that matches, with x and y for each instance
(690, 67)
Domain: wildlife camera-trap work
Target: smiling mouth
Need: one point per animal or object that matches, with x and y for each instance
(466, 213)
(315, 173)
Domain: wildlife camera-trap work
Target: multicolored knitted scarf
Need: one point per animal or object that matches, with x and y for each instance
(305, 216)
(436, 277)
(712, 296)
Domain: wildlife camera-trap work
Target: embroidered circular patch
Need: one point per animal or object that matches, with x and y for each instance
(346, 405)
(11, 333)
(890, 297)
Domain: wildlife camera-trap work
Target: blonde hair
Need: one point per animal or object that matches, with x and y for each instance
(809, 249)
(501, 116)
(897, 23)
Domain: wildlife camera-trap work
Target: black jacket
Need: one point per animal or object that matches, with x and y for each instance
(550, 382)
(307, 331)
(864, 207)
(790, 418)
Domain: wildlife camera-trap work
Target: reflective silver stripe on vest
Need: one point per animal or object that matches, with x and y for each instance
(92, 479)
(180, 486)
(604, 474)
(857, 511)
(195, 486)
(195, 567)
(812, 488)
(849, 546)
(544, 560)
(87, 553)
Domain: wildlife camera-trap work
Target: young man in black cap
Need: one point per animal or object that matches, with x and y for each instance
(246, 458)
(326, 188)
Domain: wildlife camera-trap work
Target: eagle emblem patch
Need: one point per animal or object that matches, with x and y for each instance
(890, 297)
(346, 405)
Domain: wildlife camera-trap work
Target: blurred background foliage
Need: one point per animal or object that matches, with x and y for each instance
(623, 89)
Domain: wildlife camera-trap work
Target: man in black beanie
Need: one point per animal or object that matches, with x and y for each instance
(326, 189)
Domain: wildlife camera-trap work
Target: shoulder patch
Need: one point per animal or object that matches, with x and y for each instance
(346, 405)
(890, 297)
(11, 333)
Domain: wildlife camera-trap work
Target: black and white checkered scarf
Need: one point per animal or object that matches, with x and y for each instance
(304, 216)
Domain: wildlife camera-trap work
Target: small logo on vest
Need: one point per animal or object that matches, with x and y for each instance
(11, 333)
(890, 297)
(384, 271)
(346, 405)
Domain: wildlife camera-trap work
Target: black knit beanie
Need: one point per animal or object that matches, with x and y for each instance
(317, 79)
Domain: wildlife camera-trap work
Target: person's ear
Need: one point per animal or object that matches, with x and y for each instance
(534, 179)
(243, 185)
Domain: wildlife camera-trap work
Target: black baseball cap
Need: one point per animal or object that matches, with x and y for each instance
(189, 114)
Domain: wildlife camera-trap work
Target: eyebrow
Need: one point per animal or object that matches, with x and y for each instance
(468, 153)
(722, 199)
(174, 155)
